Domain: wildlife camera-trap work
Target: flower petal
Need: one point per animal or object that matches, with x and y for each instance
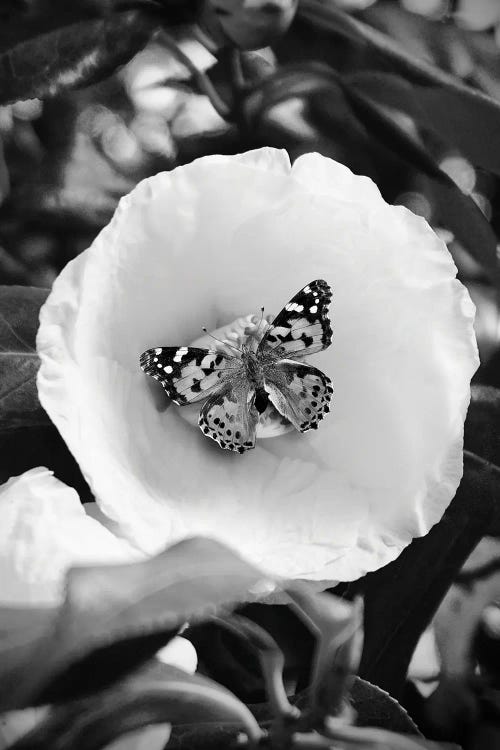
(43, 531)
(217, 239)
(179, 652)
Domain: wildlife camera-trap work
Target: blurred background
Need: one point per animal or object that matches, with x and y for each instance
(66, 160)
(98, 94)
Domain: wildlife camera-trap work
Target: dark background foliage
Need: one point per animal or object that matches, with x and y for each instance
(96, 95)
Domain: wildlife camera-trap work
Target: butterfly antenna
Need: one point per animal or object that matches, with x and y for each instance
(224, 343)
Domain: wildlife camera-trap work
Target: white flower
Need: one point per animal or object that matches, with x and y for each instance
(215, 240)
(44, 530)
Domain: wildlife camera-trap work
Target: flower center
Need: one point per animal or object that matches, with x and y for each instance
(246, 331)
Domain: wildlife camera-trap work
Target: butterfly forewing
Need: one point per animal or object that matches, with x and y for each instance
(299, 392)
(228, 384)
(189, 374)
(230, 418)
(303, 326)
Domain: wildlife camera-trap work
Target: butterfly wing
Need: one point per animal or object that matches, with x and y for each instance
(303, 326)
(299, 392)
(229, 416)
(189, 374)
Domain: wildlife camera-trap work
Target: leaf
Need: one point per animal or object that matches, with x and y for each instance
(375, 708)
(458, 211)
(114, 618)
(19, 405)
(74, 54)
(157, 694)
(443, 111)
(401, 598)
(482, 435)
(325, 17)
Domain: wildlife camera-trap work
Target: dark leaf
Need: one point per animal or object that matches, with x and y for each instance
(482, 434)
(388, 55)
(19, 405)
(457, 210)
(375, 708)
(69, 55)
(401, 598)
(115, 617)
(445, 112)
(157, 694)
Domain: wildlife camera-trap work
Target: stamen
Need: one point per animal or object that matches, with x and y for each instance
(235, 340)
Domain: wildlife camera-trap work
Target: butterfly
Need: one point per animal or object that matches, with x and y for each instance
(237, 388)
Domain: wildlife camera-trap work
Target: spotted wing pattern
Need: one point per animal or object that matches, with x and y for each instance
(230, 418)
(299, 392)
(303, 326)
(228, 384)
(189, 374)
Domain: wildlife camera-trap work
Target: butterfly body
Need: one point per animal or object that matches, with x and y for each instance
(237, 387)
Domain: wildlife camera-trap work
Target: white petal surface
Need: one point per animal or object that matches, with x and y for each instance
(217, 239)
(44, 529)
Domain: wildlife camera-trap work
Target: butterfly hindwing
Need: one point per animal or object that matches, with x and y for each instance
(303, 326)
(229, 416)
(301, 393)
(186, 373)
(228, 385)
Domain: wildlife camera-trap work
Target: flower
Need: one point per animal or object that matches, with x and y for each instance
(215, 240)
(44, 530)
